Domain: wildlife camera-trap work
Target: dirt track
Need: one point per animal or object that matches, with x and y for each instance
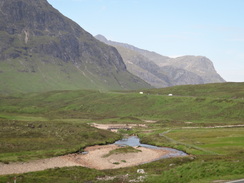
(93, 159)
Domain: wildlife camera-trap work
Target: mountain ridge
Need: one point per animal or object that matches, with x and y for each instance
(173, 71)
(42, 50)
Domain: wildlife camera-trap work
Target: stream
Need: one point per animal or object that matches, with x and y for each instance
(134, 141)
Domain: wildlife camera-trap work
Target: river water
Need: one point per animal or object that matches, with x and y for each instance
(134, 141)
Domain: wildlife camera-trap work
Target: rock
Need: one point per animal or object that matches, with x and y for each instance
(162, 71)
(140, 171)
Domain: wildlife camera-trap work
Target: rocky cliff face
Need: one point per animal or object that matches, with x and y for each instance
(34, 35)
(142, 67)
(199, 65)
(163, 71)
(57, 36)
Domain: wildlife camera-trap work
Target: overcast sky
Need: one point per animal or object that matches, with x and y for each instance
(211, 28)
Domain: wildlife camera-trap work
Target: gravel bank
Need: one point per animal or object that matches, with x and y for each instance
(94, 159)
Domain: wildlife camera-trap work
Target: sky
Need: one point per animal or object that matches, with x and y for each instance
(211, 28)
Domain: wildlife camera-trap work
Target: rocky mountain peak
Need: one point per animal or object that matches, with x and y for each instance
(162, 71)
(101, 38)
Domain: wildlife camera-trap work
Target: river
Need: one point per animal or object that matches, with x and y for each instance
(134, 141)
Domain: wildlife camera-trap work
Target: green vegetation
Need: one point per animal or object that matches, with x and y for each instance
(224, 141)
(39, 75)
(116, 163)
(122, 150)
(204, 170)
(197, 141)
(216, 90)
(98, 105)
(60, 175)
(40, 125)
(23, 140)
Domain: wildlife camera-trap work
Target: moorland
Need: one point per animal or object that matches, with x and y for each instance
(205, 121)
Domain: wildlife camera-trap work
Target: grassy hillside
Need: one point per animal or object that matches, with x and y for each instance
(203, 107)
(20, 75)
(215, 90)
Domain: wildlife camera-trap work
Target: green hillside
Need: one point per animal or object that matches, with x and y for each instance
(202, 107)
(19, 75)
(217, 90)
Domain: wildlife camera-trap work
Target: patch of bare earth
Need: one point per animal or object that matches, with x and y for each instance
(118, 126)
(150, 121)
(94, 159)
(38, 165)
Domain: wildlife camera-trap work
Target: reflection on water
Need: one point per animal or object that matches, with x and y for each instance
(131, 141)
(135, 141)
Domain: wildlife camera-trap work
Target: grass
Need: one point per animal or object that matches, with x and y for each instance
(39, 125)
(217, 152)
(221, 141)
(122, 150)
(22, 140)
(44, 73)
(60, 175)
(204, 170)
(97, 105)
(215, 90)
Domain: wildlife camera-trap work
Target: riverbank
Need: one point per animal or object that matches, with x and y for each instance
(93, 159)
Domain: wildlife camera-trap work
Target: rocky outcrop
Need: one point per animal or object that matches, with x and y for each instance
(199, 65)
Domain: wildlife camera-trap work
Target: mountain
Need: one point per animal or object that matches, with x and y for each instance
(199, 65)
(41, 50)
(162, 71)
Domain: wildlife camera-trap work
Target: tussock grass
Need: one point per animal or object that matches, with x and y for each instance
(122, 150)
(22, 141)
(59, 175)
(216, 90)
(204, 170)
(95, 105)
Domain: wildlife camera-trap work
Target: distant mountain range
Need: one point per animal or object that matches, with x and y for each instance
(162, 71)
(42, 50)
